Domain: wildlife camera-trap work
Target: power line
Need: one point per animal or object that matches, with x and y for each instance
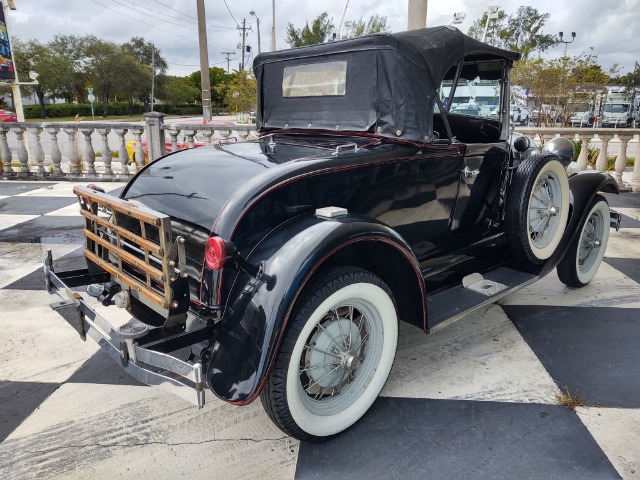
(148, 24)
(189, 16)
(152, 16)
(234, 18)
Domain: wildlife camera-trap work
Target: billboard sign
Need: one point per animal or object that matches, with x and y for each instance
(7, 71)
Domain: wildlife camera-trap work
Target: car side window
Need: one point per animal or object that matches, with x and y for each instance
(476, 92)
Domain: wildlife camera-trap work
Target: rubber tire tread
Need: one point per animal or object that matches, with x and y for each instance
(517, 203)
(273, 395)
(566, 268)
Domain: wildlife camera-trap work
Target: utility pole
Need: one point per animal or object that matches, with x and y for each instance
(227, 55)
(153, 73)
(417, 14)
(273, 26)
(204, 63)
(244, 35)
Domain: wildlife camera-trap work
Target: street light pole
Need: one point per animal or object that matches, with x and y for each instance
(252, 12)
(573, 37)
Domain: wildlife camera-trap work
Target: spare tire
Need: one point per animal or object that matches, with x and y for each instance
(537, 208)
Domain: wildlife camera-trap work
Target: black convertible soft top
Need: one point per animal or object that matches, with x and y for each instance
(391, 81)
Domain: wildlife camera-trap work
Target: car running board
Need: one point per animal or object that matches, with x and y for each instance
(475, 292)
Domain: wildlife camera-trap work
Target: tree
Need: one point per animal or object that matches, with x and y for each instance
(319, 32)
(241, 93)
(181, 90)
(134, 79)
(75, 49)
(147, 54)
(519, 32)
(56, 73)
(558, 86)
(104, 60)
(218, 78)
(358, 28)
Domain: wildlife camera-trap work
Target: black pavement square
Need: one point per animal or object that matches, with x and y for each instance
(18, 400)
(623, 200)
(590, 350)
(629, 266)
(34, 205)
(402, 438)
(102, 369)
(46, 229)
(35, 280)
(16, 188)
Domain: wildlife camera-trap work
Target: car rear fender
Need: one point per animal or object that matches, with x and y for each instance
(259, 308)
(584, 186)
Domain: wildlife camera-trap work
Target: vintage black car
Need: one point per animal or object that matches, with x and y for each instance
(279, 268)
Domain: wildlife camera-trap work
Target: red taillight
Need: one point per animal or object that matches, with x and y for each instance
(215, 253)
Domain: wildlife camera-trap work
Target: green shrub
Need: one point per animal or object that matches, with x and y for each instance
(57, 110)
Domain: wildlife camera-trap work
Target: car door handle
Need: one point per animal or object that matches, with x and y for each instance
(467, 172)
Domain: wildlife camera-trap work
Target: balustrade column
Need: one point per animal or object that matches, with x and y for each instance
(621, 159)
(139, 156)
(545, 137)
(243, 134)
(583, 158)
(601, 163)
(38, 154)
(56, 156)
(190, 140)
(635, 178)
(5, 151)
(89, 153)
(207, 134)
(123, 155)
(106, 151)
(74, 159)
(23, 155)
(224, 134)
(174, 139)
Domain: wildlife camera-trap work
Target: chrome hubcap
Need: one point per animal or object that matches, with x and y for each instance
(591, 241)
(334, 353)
(544, 210)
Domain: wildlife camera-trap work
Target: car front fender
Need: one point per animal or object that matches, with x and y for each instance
(259, 308)
(584, 186)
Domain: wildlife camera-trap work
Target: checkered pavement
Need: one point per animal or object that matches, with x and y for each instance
(475, 400)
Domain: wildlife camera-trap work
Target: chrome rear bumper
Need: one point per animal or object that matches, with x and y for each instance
(145, 354)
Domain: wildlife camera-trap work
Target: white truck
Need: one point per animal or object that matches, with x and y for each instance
(620, 108)
(582, 114)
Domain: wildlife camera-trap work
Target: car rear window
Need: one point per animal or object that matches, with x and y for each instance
(327, 79)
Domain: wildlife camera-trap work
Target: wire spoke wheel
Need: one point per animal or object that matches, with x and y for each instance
(584, 256)
(336, 356)
(544, 209)
(537, 208)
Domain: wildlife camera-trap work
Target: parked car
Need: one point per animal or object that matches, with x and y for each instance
(520, 115)
(7, 116)
(278, 268)
(182, 143)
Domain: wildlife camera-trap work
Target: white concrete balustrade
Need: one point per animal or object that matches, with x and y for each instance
(67, 150)
(610, 141)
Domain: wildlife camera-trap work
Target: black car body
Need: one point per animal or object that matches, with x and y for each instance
(360, 176)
